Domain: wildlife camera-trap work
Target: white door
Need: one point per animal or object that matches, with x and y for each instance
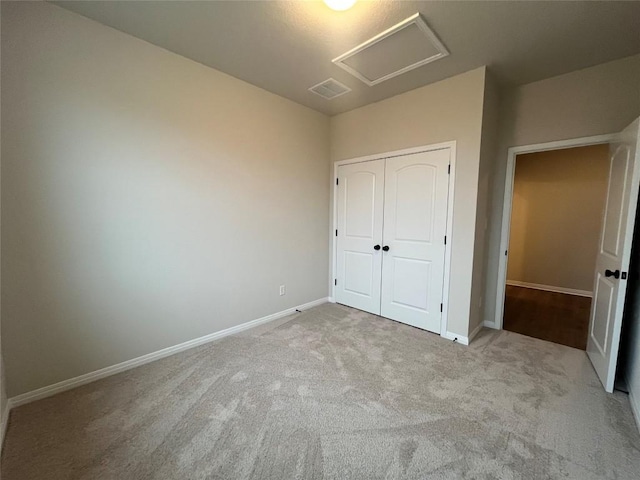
(614, 255)
(415, 218)
(359, 213)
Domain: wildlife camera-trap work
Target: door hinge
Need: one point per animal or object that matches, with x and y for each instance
(335, 281)
(337, 181)
(449, 169)
(445, 239)
(336, 232)
(505, 252)
(441, 306)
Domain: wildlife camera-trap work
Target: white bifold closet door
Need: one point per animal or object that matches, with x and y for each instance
(359, 265)
(391, 237)
(415, 222)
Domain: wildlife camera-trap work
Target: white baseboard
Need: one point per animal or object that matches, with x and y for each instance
(550, 288)
(64, 385)
(462, 340)
(475, 332)
(455, 338)
(635, 404)
(489, 324)
(5, 423)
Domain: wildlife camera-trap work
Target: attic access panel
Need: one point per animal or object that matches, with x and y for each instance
(404, 47)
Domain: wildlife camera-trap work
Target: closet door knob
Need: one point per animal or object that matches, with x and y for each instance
(385, 248)
(609, 273)
(377, 247)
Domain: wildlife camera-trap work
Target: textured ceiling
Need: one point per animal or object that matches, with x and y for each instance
(286, 47)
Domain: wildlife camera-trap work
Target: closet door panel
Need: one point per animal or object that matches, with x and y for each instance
(360, 196)
(415, 215)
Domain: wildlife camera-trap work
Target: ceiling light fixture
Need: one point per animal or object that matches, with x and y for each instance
(339, 5)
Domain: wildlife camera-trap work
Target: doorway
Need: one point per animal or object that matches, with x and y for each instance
(559, 197)
(614, 247)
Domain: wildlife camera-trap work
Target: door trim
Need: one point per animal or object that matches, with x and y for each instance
(449, 229)
(507, 204)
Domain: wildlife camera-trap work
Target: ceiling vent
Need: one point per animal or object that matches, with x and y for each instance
(404, 47)
(330, 89)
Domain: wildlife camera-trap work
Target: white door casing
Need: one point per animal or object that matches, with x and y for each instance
(360, 199)
(614, 255)
(415, 219)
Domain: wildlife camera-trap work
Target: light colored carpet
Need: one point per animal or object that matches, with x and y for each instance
(338, 394)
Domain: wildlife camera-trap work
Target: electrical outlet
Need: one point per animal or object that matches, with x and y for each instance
(282, 290)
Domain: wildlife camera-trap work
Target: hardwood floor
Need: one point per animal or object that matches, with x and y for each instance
(556, 317)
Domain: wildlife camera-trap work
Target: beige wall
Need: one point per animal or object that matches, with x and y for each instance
(4, 405)
(3, 390)
(558, 203)
(146, 199)
(597, 100)
(448, 110)
(488, 150)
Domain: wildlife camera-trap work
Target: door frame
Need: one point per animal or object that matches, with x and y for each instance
(451, 145)
(512, 153)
